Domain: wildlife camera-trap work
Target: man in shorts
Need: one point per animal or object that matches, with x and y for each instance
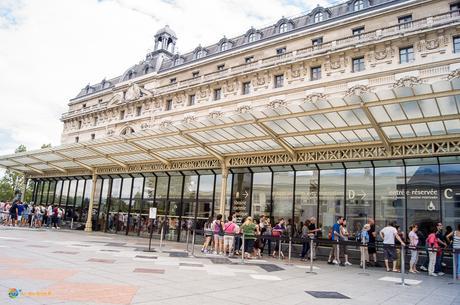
(388, 234)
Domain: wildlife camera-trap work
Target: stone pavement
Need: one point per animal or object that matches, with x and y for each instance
(74, 267)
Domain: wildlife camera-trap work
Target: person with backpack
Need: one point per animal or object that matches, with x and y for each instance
(364, 240)
(277, 232)
(249, 230)
(433, 250)
(14, 213)
(54, 217)
(336, 235)
(230, 229)
(218, 232)
(207, 235)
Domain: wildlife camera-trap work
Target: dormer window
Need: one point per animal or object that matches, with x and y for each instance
(173, 80)
(130, 74)
(358, 5)
(252, 37)
(146, 70)
(283, 28)
(319, 16)
(224, 46)
(178, 61)
(200, 54)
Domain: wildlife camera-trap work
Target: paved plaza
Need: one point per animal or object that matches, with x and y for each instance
(74, 267)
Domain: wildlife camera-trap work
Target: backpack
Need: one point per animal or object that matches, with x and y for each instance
(221, 229)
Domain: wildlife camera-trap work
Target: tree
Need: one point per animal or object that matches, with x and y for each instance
(46, 145)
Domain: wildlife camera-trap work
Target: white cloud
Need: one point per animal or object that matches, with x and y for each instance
(50, 49)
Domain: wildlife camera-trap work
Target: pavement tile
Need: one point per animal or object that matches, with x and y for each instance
(101, 260)
(39, 274)
(148, 270)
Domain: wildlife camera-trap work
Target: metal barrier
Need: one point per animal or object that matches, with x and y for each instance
(311, 258)
(363, 251)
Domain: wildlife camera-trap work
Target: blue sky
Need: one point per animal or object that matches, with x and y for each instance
(50, 49)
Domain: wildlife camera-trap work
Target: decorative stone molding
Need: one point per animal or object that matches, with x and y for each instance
(277, 104)
(110, 132)
(357, 90)
(243, 109)
(166, 124)
(408, 81)
(189, 119)
(454, 74)
(145, 126)
(315, 97)
(216, 114)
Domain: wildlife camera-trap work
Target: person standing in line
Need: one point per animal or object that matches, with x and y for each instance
(372, 249)
(207, 235)
(14, 213)
(230, 229)
(59, 217)
(455, 237)
(25, 215)
(413, 238)
(218, 231)
(345, 234)
(277, 232)
(304, 235)
(336, 236)
(313, 233)
(250, 230)
(364, 236)
(388, 234)
(20, 212)
(442, 245)
(433, 250)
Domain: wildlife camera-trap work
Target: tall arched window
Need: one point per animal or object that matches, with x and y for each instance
(127, 131)
(283, 27)
(224, 46)
(252, 37)
(358, 5)
(318, 17)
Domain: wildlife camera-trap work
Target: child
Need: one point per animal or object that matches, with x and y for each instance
(364, 242)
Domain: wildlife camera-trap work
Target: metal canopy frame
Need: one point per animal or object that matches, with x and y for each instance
(421, 112)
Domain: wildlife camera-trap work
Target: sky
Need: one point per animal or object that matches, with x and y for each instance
(50, 49)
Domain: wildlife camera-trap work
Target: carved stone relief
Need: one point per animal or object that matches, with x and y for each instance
(408, 81)
(357, 90)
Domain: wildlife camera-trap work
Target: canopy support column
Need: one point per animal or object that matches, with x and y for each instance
(26, 181)
(223, 189)
(89, 219)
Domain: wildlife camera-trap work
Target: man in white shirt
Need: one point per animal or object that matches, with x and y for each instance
(388, 234)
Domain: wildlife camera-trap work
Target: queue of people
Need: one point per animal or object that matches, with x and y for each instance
(21, 214)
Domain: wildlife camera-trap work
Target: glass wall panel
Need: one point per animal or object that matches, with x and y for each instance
(114, 206)
(65, 191)
(51, 190)
(57, 193)
(79, 200)
(86, 199)
(147, 203)
(161, 195)
(283, 190)
(175, 193)
(261, 194)
(124, 205)
(306, 197)
(241, 196)
(205, 200)
(45, 188)
(102, 211)
(390, 199)
(331, 197)
(360, 198)
(134, 220)
(450, 191)
(70, 205)
(96, 203)
(423, 201)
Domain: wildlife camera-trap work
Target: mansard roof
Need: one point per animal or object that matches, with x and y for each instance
(301, 22)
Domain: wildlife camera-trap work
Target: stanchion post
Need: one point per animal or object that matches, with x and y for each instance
(289, 250)
(151, 233)
(337, 253)
(279, 249)
(403, 267)
(311, 257)
(161, 236)
(242, 248)
(193, 241)
(363, 250)
(187, 238)
(455, 263)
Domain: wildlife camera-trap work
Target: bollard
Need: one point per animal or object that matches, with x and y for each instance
(242, 248)
(311, 258)
(193, 242)
(289, 251)
(161, 237)
(403, 267)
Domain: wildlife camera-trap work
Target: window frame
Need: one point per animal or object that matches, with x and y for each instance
(246, 89)
(358, 5)
(217, 94)
(281, 51)
(168, 105)
(220, 67)
(406, 55)
(283, 28)
(314, 75)
(358, 31)
(405, 21)
(191, 99)
(279, 81)
(249, 59)
(138, 110)
(122, 115)
(318, 17)
(360, 64)
(454, 44)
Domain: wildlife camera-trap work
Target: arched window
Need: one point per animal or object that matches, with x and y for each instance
(130, 74)
(178, 61)
(252, 37)
(318, 17)
(146, 69)
(224, 46)
(358, 5)
(200, 54)
(283, 27)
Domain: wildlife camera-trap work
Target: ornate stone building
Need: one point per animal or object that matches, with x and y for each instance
(348, 110)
